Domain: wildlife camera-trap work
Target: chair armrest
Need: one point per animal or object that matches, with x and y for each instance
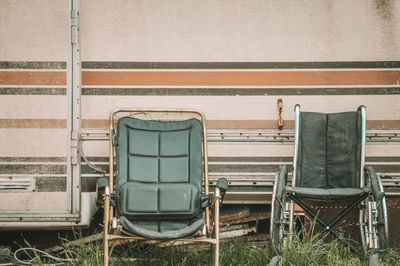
(221, 188)
(222, 184)
(218, 197)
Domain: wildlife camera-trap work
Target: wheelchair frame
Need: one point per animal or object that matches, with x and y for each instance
(373, 221)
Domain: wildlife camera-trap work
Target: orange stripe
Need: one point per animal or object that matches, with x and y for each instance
(33, 78)
(237, 78)
(252, 124)
(207, 78)
(95, 123)
(33, 123)
(383, 124)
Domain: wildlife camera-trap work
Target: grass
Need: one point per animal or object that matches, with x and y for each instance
(317, 252)
(312, 252)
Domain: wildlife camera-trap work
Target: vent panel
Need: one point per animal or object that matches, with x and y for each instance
(17, 183)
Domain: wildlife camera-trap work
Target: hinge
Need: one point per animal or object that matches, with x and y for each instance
(114, 138)
(74, 26)
(74, 147)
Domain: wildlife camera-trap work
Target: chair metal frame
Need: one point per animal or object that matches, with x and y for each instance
(112, 228)
(368, 203)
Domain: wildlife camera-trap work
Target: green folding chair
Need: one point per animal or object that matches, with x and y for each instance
(159, 188)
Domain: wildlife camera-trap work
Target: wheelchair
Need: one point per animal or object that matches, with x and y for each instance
(158, 183)
(329, 166)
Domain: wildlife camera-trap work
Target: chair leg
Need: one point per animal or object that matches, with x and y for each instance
(291, 221)
(105, 250)
(106, 226)
(216, 254)
(216, 226)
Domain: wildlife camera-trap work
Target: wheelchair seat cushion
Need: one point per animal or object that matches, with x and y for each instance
(159, 168)
(327, 194)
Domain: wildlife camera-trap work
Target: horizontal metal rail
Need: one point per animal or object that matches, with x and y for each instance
(258, 135)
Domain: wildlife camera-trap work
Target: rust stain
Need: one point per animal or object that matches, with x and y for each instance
(237, 78)
(33, 78)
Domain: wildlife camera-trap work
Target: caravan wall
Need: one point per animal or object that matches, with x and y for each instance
(65, 65)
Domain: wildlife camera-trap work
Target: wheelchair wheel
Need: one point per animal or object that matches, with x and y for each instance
(275, 261)
(277, 226)
(382, 225)
(373, 260)
(375, 215)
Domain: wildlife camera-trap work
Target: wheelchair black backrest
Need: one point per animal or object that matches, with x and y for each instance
(329, 150)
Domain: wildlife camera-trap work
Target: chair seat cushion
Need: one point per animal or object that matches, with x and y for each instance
(158, 201)
(327, 194)
(162, 229)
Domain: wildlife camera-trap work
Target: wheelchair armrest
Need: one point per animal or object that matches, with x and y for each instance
(101, 184)
(283, 173)
(282, 176)
(376, 183)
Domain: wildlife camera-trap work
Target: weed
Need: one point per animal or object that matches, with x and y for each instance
(313, 251)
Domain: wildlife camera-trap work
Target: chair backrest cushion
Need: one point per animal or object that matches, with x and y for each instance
(329, 151)
(159, 168)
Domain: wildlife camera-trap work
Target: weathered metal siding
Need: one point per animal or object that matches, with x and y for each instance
(231, 60)
(33, 107)
(236, 31)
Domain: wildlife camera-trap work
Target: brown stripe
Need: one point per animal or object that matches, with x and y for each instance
(33, 123)
(262, 124)
(103, 123)
(33, 78)
(383, 124)
(273, 124)
(233, 78)
(247, 124)
(94, 123)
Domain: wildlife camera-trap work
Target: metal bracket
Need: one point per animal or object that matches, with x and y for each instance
(114, 138)
(74, 26)
(280, 119)
(74, 147)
